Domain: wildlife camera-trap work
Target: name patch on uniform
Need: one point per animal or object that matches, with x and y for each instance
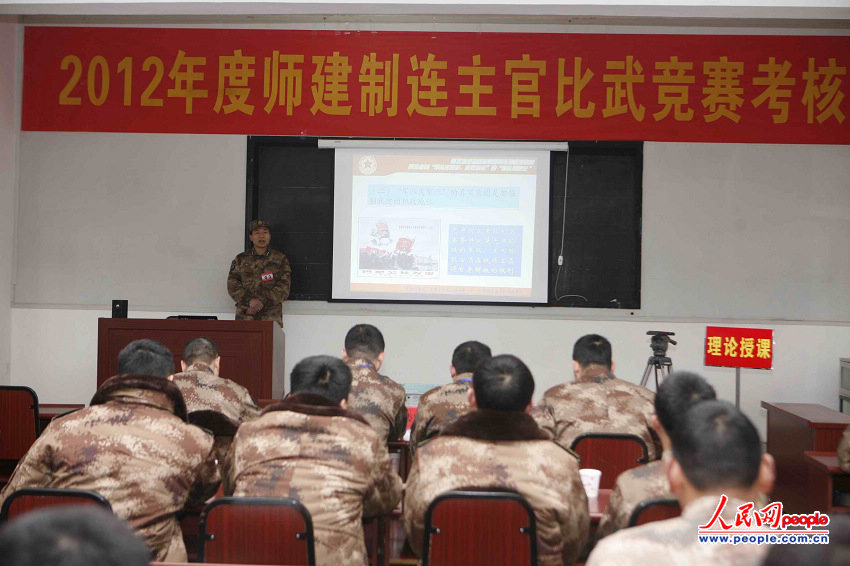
(267, 276)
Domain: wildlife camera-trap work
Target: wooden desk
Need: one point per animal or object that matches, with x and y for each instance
(597, 505)
(824, 478)
(252, 351)
(793, 428)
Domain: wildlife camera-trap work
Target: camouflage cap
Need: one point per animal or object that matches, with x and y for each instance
(258, 224)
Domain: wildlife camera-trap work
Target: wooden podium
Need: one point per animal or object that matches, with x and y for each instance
(252, 352)
(792, 429)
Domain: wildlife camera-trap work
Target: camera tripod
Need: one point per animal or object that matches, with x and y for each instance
(661, 365)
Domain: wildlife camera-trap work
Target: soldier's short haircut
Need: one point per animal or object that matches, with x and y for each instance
(503, 383)
(364, 340)
(717, 447)
(678, 393)
(200, 349)
(147, 357)
(470, 355)
(321, 375)
(71, 536)
(592, 349)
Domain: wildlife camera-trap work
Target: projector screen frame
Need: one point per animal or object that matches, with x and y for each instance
(343, 254)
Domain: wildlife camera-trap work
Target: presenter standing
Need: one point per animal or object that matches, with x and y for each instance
(259, 278)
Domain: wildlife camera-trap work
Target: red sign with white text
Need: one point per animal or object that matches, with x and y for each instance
(689, 88)
(739, 347)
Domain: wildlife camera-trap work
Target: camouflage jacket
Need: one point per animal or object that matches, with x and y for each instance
(378, 398)
(843, 452)
(598, 402)
(329, 459)
(440, 406)
(265, 277)
(503, 451)
(675, 541)
(203, 390)
(132, 446)
(648, 481)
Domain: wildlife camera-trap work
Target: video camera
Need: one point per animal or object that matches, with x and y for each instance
(659, 342)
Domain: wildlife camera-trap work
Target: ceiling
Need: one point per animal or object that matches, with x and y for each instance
(832, 14)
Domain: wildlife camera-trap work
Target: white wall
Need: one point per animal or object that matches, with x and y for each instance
(8, 173)
(147, 218)
(746, 231)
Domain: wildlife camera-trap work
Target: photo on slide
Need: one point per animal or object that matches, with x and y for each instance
(399, 247)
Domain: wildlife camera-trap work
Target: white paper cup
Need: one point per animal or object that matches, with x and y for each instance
(590, 480)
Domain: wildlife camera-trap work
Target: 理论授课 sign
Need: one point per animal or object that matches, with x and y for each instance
(739, 347)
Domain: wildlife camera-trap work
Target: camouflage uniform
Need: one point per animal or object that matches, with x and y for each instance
(843, 452)
(503, 451)
(440, 406)
(598, 402)
(132, 446)
(675, 541)
(329, 459)
(648, 481)
(378, 398)
(245, 282)
(205, 391)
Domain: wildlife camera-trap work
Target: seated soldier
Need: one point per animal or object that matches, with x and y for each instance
(443, 404)
(377, 397)
(843, 452)
(676, 394)
(716, 455)
(311, 448)
(597, 401)
(134, 447)
(499, 446)
(204, 391)
(84, 535)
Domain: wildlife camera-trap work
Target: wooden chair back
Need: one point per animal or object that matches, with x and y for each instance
(479, 528)
(32, 498)
(656, 509)
(18, 421)
(256, 530)
(612, 453)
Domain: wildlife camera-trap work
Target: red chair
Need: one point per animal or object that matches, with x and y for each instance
(657, 509)
(19, 426)
(256, 530)
(18, 421)
(612, 453)
(31, 498)
(479, 528)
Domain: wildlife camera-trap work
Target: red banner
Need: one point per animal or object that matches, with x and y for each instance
(739, 347)
(691, 88)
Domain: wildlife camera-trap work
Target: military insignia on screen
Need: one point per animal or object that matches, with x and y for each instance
(367, 164)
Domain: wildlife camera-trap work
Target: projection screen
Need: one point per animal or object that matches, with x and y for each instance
(441, 221)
